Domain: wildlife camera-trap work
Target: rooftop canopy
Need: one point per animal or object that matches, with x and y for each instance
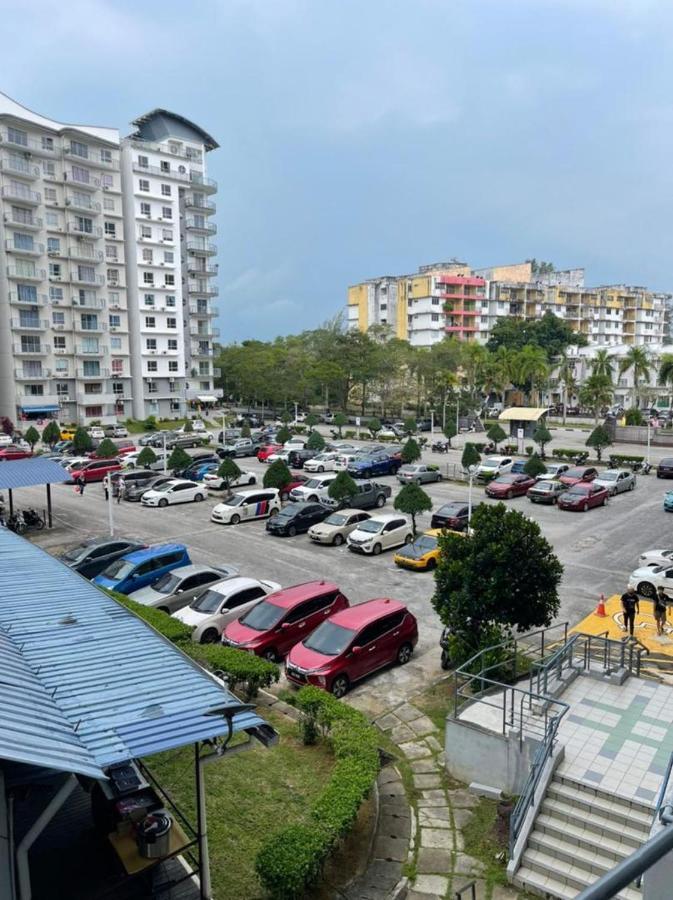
(84, 683)
(523, 413)
(18, 473)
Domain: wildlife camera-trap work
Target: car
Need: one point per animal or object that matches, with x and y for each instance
(493, 466)
(418, 474)
(279, 454)
(337, 526)
(379, 463)
(156, 439)
(340, 447)
(665, 467)
(179, 490)
(73, 462)
(175, 590)
(616, 481)
(554, 470)
(68, 434)
(6, 440)
(240, 447)
(546, 491)
(203, 469)
(518, 466)
(142, 567)
(451, 515)
(389, 432)
(646, 579)
(130, 460)
(198, 426)
(135, 490)
(297, 518)
(214, 483)
(382, 532)
(368, 495)
(209, 612)
(130, 477)
(96, 433)
(346, 457)
(61, 447)
(183, 441)
(297, 459)
(578, 474)
(266, 450)
(191, 471)
(298, 479)
(91, 557)
(296, 442)
(310, 490)
(323, 462)
(583, 496)
(273, 626)
(116, 431)
(353, 643)
(656, 558)
(668, 501)
(509, 485)
(15, 452)
(93, 470)
(254, 504)
(422, 553)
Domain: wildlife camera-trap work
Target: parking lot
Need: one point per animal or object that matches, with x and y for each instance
(598, 550)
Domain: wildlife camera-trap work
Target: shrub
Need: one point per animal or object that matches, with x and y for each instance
(51, 433)
(106, 449)
(351, 434)
(277, 475)
(283, 434)
(32, 436)
(189, 428)
(411, 452)
(146, 457)
(315, 441)
(624, 459)
(150, 423)
(634, 417)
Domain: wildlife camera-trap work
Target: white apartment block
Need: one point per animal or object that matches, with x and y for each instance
(105, 268)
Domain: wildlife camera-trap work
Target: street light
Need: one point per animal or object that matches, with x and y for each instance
(472, 471)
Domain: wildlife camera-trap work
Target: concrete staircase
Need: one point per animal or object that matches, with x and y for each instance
(579, 834)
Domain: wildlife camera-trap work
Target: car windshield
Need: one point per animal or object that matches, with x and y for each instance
(371, 526)
(167, 584)
(576, 490)
(323, 457)
(336, 519)
(312, 483)
(545, 486)
(263, 616)
(423, 544)
(409, 469)
(491, 463)
(166, 486)
(236, 500)
(451, 509)
(573, 473)
(119, 569)
(609, 476)
(506, 479)
(77, 553)
(329, 639)
(207, 602)
(553, 469)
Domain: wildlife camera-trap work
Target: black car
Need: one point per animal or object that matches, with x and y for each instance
(297, 518)
(92, 557)
(665, 467)
(192, 469)
(130, 476)
(452, 515)
(369, 495)
(135, 489)
(297, 458)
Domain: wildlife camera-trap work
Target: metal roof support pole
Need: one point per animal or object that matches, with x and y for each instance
(36, 830)
(11, 502)
(49, 506)
(201, 826)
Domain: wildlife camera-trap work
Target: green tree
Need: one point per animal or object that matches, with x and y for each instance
(245, 430)
(412, 500)
(51, 434)
(283, 434)
(534, 466)
(178, 460)
(374, 425)
(411, 452)
(531, 368)
(146, 458)
(82, 443)
(410, 426)
(470, 457)
(277, 475)
(637, 359)
(228, 472)
(603, 364)
(520, 592)
(7, 426)
(599, 439)
(311, 421)
(596, 392)
(106, 449)
(450, 430)
(634, 416)
(315, 441)
(496, 433)
(150, 423)
(665, 376)
(188, 427)
(32, 436)
(339, 421)
(342, 489)
(541, 436)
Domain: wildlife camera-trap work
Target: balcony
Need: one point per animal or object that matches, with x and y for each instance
(30, 324)
(205, 290)
(201, 227)
(196, 309)
(95, 232)
(162, 173)
(205, 249)
(24, 375)
(37, 349)
(20, 167)
(80, 350)
(207, 185)
(40, 300)
(27, 144)
(196, 204)
(205, 352)
(32, 224)
(22, 194)
(216, 371)
(195, 267)
(98, 328)
(87, 376)
(81, 251)
(84, 204)
(20, 275)
(12, 246)
(98, 399)
(204, 332)
(93, 184)
(90, 303)
(84, 278)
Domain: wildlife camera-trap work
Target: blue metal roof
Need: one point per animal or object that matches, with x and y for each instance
(18, 473)
(83, 682)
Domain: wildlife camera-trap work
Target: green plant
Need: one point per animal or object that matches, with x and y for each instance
(624, 459)
(634, 417)
(106, 449)
(411, 452)
(178, 460)
(146, 458)
(81, 442)
(245, 430)
(311, 420)
(496, 433)
(374, 426)
(315, 441)
(32, 436)
(283, 434)
(277, 475)
(342, 488)
(599, 439)
(339, 421)
(412, 500)
(410, 426)
(541, 436)
(188, 427)
(470, 457)
(228, 472)
(51, 433)
(450, 430)
(150, 423)
(351, 434)
(534, 466)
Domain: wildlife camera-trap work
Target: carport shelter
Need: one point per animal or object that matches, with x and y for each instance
(18, 473)
(525, 418)
(88, 691)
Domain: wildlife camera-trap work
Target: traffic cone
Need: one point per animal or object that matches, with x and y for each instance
(600, 609)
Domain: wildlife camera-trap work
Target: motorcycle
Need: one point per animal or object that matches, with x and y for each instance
(33, 519)
(22, 520)
(612, 463)
(440, 447)
(641, 468)
(17, 523)
(489, 448)
(581, 458)
(647, 468)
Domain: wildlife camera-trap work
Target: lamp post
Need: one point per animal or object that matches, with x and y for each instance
(649, 421)
(165, 458)
(110, 505)
(432, 423)
(472, 471)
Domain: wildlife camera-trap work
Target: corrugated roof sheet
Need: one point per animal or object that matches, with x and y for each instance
(83, 682)
(523, 413)
(18, 473)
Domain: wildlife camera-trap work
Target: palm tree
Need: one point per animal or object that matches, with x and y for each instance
(602, 364)
(531, 368)
(596, 392)
(637, 359)
(666, 373)
(566, 374)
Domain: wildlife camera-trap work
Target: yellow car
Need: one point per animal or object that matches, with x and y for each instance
(67, 434)
(422, 554)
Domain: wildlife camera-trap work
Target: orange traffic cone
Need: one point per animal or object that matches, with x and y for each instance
(600, 609)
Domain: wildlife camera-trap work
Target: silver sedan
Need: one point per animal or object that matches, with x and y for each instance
(616, 481)
(418, 474)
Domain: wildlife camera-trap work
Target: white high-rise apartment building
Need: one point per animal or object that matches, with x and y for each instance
(105, 268)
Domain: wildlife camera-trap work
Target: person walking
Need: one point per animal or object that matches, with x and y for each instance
(121, 489)
(660, 607)
(630, 606)
(81, 481)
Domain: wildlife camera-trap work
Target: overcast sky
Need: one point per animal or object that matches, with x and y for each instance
(367, 137)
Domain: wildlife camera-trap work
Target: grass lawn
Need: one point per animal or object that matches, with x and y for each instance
(248, 797)
(486, 840)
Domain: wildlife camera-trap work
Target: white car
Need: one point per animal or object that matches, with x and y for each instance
(310, 490)
(254, 504)
(647, 579)
(344, 458)
(197, 427)
(96, 432)
(296, 442)
(656, 558)
(6, 440)
(493, 466)
(178, 490)
(323, 462)
(335, 528)
(554, 470)
(380, 533)
(74, 462)
(219, 604)
(280, 454)
(214, 483)
(130, 460)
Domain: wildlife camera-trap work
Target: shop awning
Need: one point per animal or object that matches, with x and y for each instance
(523, 413)
(39, 409)
(206, 398)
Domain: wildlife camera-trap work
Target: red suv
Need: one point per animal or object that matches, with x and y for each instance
(265, 452)
(15, 453)
(275, 624)
(96, 470)
(353, 643)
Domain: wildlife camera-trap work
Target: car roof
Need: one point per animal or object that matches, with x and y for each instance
(387, 517)
(291, 596)
(234, 583)
(582, 487)
(350, 511)
(194, 569)
(356, 617)
(138, 556)
(453, 504)
(496, 457)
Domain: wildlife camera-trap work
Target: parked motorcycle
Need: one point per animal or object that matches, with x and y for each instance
(581, 458)
(22, 520)
(33, 519)
(440, 447)
(641, 468)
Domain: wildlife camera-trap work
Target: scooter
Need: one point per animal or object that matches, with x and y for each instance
(581, 458)
(440, 447)
(33, 519)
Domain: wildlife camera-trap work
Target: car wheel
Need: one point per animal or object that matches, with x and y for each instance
(313, 499)
(274, 512)
(376, 549)
(235, 519)
(198, 498)
(339, 687)
(431, 564)
(632, 485)
(380, 501)
(292, 531)
(404, 654)
(163, 502)
(270, 655)
(164, 609)
(321, 468)
(509, 495)
(605, 500)
(209, 636)
(645, 589)
(585, 507)
(338, 540)
(439, 476)
(408, 539)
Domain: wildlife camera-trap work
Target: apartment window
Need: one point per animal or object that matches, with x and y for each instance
(167, 212)
(16, 136)
(79, 149)
(49, 169)
(172, 343)
(61, 388)
(54, 270)
(199, 221)
(170, 300)
(80, 175)
(86, 273)
(84, 224)
(111, 252)
(150, 322)
(52, 219)
(175, 405)
(172, 365)
(61, 366)
(171, 323)
(167, 234)
(93, 412)
(204, 385)
(110, 230)
(34, 390)
(106, 156)
(148, 277)
(145, 209)
(53, 245)
(113, 297)
(86, 296)
(143, 162)
(23, 241)
(169, 256)
(89, 322)
(91, 368)
(47, 143)
(115, 343)
(151, 343)
(173, 388)
(169, 279)
(50, 195)
(113, 276)
(107, 181)
(202, 307)
(90, 345)
(204, 368)
(149, 299)
(434, 317)
(29, 318)
(152, 365)
(148, 255)
(165, 166)
(143, 184)
(115, 321)
(30, 344)
(165, 190)
(145, 231)
(22, 215)
(58, 317)
(108, 204)
(93, 388)
(117, 369)
(27, 293)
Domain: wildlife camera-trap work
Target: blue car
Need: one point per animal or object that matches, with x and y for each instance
(142, 567)
(372, 465)
(199, 471)
(668, 501)
(517, 466)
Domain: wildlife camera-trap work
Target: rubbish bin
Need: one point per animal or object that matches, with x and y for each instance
(153, 835)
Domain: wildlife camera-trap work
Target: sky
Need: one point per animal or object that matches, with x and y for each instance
(366, 138)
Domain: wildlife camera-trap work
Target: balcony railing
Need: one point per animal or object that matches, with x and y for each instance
(80, 350)
(30, 324)
(194, 268)
(202, 351)
(204, 332)
(32, 350)
(90, 303)
(93, 184)
(98, 328)
(19, 167)
(84, 253)
(162, 173)
(195, 202)
(86, 204)
(205, 249)
(24, 144)
(93, 158)
(40, 299)
(25, 375)
(202, 227)
(20, 275)
(95, 399)
(24, 194)
(15, 247)
(206, 290)
(88, 376)
(80, 278)
(32, 223)
(95, 232)
(208, 185)
(195, 309)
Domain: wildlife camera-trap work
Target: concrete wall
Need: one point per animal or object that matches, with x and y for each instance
(475, 754)
(637, 434)
(658, 880)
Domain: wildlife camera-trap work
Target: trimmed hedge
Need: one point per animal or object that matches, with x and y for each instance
(243, 671)
(625, 459)
(291, 860)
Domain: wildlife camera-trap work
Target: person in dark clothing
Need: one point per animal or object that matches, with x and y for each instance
(630, 606)
(81, 481)
(660, 607)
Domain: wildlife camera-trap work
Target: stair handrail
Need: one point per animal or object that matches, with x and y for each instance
(527, 795)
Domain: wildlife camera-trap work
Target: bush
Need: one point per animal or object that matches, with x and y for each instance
(625, 460)
(150, 423)
(634, 417)
(351, 434)
(315, 441)
(291, 860)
